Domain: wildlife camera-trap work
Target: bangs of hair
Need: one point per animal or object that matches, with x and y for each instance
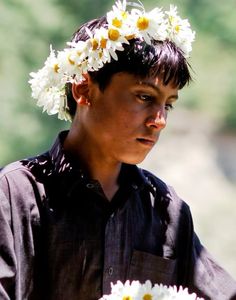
(161, 59)
(170, 64)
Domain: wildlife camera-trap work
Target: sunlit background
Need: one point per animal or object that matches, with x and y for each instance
(196, 153)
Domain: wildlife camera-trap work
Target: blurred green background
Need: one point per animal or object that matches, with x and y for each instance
(27, 28)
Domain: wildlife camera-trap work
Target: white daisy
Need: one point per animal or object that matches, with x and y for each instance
(98, 53)
(120, 23)
(52, 70)
(50, 100)
(179, 31)
(128, 290)
(145, 291)
(120, 5)
(67, 62)
(149, 25)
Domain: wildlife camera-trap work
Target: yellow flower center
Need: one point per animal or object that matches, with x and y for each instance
(117, 23)
(147, 297)
(130, 37)
(124, 15)
(70, 60)
(94, 43)
(113, 34)
(103, 43)
(127, 298)
(142, 23)
(171, 19)
(177, 28)
(56, 68)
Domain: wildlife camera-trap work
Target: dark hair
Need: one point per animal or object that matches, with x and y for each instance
(161, 58)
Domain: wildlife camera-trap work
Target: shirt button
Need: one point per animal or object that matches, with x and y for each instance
(90, 185)
(110, 271)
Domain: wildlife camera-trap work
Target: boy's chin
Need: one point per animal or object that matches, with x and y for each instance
(134, 160)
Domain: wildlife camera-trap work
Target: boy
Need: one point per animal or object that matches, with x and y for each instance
(82, 215)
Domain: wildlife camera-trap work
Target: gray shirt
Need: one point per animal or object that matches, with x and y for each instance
(60, 238)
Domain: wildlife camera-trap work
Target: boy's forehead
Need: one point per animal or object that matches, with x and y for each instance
(150, 83)
(156, 83)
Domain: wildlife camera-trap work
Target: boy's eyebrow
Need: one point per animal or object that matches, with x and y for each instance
(156, 88)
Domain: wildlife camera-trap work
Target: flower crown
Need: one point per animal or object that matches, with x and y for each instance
(49, 83)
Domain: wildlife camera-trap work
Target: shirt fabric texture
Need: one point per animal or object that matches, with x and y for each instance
(60, 238)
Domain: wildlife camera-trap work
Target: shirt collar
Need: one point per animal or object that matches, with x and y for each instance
(63, 163)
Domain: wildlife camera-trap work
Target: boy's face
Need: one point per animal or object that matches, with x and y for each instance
(124, 122)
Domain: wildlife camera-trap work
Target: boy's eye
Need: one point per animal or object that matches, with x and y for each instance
(149, 98)
(169, 106)
(145, 98)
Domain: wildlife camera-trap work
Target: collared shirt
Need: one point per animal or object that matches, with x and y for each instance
(60, 238)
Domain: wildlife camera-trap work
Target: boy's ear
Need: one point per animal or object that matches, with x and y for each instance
(80, 91)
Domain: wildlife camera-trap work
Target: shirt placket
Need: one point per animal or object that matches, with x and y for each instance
(117, 247)
(112, 235)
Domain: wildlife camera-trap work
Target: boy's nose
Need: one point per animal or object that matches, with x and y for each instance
(158, 121)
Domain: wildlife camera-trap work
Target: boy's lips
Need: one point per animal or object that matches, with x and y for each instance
(147, 141)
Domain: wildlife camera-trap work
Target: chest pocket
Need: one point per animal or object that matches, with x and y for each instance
(145, 266)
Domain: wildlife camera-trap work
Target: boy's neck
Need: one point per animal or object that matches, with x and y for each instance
(94, 162)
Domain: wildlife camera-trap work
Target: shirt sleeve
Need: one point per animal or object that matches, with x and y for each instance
(7, 253)
(203, 274)
(19, 223)
(208, 278)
